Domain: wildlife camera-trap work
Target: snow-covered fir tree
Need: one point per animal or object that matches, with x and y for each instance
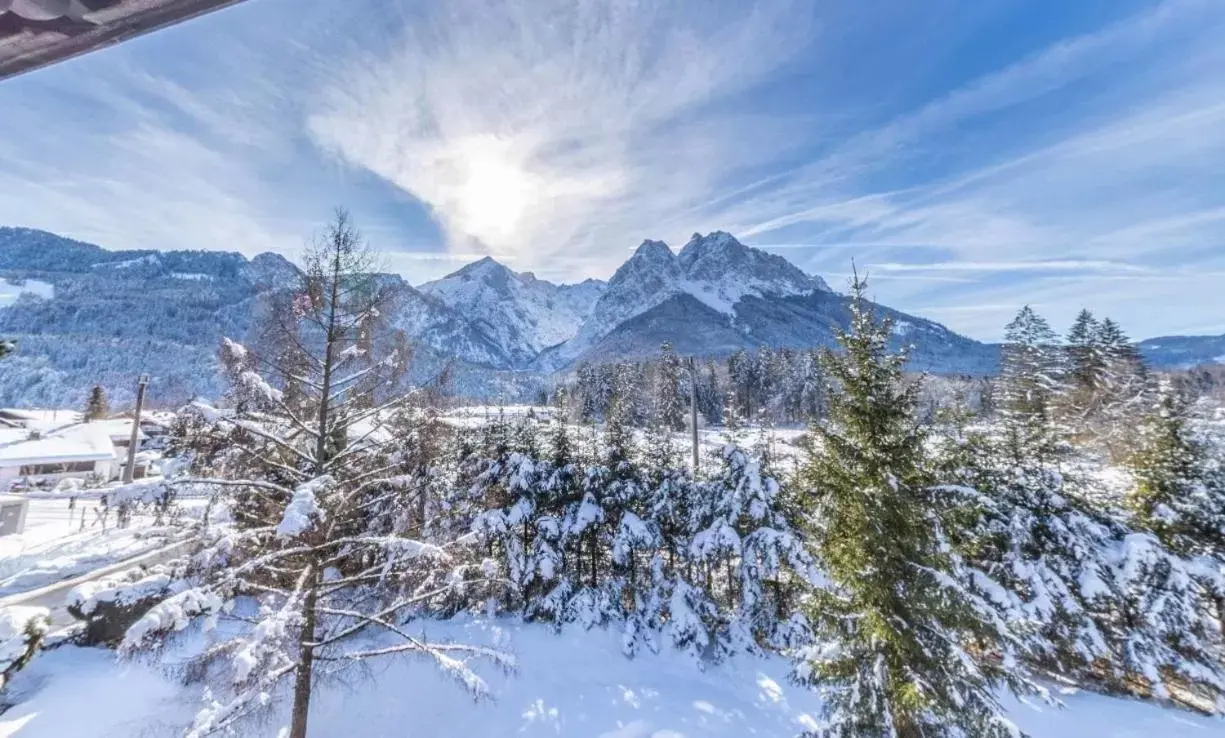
(1032, 371)
(743, 379)
(1086, 359)
(1125, 389)
(1179, 490)
(669, 408)
(744, 529)
(901, 643)
(1088, 597)
(710, 396)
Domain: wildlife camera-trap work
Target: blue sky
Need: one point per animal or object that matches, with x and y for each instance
(971, 155)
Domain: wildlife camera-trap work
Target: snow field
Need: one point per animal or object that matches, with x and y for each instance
(573, 684)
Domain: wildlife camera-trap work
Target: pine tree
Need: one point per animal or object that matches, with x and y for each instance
(897, 623)
(97, 407)
(1032, 380)
(710, 397)
(743, 378)
(743, 529)
(1085, 353)
(1032, 549)
(1087, 596)
(1031, 370)
(1179, 490)
(1123, 392)
(669, 408)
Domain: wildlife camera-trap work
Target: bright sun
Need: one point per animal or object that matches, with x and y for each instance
(494, 190)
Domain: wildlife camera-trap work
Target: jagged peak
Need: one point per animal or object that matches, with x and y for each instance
(653, 249)
(486, 266)
(714, 239)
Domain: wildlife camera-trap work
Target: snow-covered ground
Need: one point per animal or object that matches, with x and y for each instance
(709, 439)
(9, 292)
(576, 684)
(53, 546)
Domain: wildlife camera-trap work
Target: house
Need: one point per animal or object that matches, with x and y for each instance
(155, 426)
(119, 430)
(81, 451)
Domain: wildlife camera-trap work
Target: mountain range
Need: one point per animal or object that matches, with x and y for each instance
(84, 315)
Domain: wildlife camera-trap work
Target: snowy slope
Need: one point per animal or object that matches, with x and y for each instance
(519, 313)
(720, 271)
(1183, 351)
(573, 685)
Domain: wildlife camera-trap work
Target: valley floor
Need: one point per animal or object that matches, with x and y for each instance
(576, 684)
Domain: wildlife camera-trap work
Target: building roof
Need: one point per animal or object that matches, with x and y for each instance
(34, 33)
(117, 428)
(40, 419)
(83, 442)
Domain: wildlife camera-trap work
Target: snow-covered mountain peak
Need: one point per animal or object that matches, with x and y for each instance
(716, 269)
(652, 266)
(718, 258)
(713, 241)
(520, 313)
(486, 269)
(657, 250)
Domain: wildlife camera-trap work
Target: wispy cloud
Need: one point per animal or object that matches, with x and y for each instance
(1049, 265)
(544, 127)
(1078, 168)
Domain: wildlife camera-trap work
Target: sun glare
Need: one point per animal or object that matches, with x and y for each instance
(494, 189)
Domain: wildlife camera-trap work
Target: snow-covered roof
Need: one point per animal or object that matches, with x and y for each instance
(84, 442)
(117, 428)
(41, 419)
(158, 417)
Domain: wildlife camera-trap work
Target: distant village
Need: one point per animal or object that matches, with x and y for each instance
(42, 448)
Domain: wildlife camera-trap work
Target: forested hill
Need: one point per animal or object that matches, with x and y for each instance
(84, 315)
(98, 316)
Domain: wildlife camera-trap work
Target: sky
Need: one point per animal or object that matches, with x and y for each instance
(971, 156)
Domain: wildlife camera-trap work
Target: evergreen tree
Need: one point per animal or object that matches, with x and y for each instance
(743, 531)
(1032, 549)
(1179, 490)
(669, 407)
(1085, 355)
(1123, 392)
(899, 627)
(1031, 382)
(1087, 596)
(1031, 370)
(710, 397)
(742, 374)
(97, 407)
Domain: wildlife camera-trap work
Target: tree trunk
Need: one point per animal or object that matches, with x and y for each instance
(306, 663)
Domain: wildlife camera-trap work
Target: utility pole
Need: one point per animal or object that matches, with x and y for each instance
(135, 437)
(693, 408)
